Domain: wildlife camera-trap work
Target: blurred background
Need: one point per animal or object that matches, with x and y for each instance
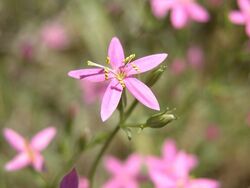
(207, 80)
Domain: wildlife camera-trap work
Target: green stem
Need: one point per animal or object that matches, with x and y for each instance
(99, 156)
(123, 118)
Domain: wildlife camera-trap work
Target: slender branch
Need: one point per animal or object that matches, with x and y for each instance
(123, 118)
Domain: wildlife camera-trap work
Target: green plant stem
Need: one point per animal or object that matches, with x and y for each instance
(123, 118)
(99, 156)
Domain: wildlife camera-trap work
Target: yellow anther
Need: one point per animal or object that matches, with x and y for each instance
(122, 83)
(129, 58)
(135, 67)
(108, 60)
(106, 73)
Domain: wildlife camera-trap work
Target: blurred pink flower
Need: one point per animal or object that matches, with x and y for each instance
(124, 175)
(121, 76)
(212, 132)
(29, 152)
(172, 170)
(182, 11)
(54, 36)
(195, 57)
(242, 16)
(83, 183)
(178, 66)
(26, 50)
(92, 91)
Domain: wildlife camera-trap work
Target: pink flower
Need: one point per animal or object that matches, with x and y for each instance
(54, 36)
(172, 170)
(242, 16)
(178, 66)
(83, 183)
(121, 76)
(195, 57)
(182, 11)
(29, 153)
(92, 91)
(124, 175)
(212, 132)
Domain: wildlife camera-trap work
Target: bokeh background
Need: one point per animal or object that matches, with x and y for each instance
(207, 80)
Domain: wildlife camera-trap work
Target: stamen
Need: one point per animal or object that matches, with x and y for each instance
(90, 63)
(129, 58)
(108, 60)
(106, 73)
(135, 67)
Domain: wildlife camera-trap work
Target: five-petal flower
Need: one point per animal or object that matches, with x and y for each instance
(29, 152)
(124, 175)
(121, 75)
(182, 11)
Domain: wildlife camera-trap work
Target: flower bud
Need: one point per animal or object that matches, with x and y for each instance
(155, 75)
(160, 120)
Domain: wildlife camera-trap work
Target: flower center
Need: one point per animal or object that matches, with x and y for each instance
(29, 151)
(120, 77)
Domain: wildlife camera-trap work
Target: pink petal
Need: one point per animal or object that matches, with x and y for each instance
(111, 99)
(169, 150)
(197, 12)
(93, 75)
(162, 180)
(130, 184)
(20, 161)
(115, 53)
(160, 8)
(83, 183)
(142, 93)
(38, 162)
(154, 163)
(179, 17)
(42, 139)
(113, 165)
(237, 17)
(203, 183)
(14, 139)
(244, 5)
(133, 164)
(145, 63)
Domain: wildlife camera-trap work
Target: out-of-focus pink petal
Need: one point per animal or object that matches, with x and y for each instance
(93, 75)
(14, 139)
(20, 161)
(248, 29)
(37, 162)
(155, 163)
(244, 5)
(179, 17)
(162, 180)
(197, 12)
(169, 150)
(203, 183)
(142, 93)
(130, 184)
(115, 53)
(133, 164)
(111, 99)
(145, 63)
(42, 139)
(113, 165)
(160, 8)
(183, 164)
(237, 17)
(83, 183)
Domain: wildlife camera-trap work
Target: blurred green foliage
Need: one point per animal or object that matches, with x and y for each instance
(36, 92)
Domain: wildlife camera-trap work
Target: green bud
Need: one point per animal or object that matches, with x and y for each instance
(155, 75)
(160, 120)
